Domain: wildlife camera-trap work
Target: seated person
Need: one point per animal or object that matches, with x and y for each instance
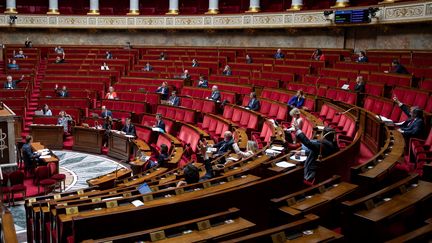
(129, 128)
(251, 149)
(12, 84)
(215, 95)
(46, 110)
(148, 67)
(360, 86)
(111, 95)
(414, 126)
(225, 145)
(63, 120)
(163, 90)
(248, 59)
(297, 100)
(191, 175)
(105, 112)
(28, 43)
(59, 60)
(59, 50)
(296, 121)
(279, 54)
(28, 155)
(162, 56)
(104, 66)
(317, 55)
(202, 82)
(163, 157)
(108, 55)
(254, 103)
(20, 54)
(12, 65)
(62, 92)
(396, 67)
(227, 71)
(318, 149)
(174, 100)
(362, 57)
(185, 75)
(128, 45)
(159, 122)
(195, 63)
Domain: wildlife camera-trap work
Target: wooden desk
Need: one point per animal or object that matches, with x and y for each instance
(52, 159)
(88, 139)
(119, 146)
(108, 180)
(50, 136)
(319, 234)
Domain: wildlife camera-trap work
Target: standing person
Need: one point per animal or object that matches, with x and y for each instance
(254, 103)
(63, 120)
(108, 124)
(317, 149)
(297, 100)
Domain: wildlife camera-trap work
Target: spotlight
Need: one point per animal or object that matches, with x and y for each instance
(12, 19)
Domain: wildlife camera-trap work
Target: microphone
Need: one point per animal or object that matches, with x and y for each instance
(344, 112)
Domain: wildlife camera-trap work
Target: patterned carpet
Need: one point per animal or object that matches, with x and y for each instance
(78, 167)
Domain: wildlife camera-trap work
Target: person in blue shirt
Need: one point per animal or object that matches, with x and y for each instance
(254, 103)
(297, 100)
(362, 57)
(163, 90)
(62, 92)
(202, 82)
(279, 54)
(174, 100)
(105, 112)
(12, 65)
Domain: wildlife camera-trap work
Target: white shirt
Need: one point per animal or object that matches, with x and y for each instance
(104, 68)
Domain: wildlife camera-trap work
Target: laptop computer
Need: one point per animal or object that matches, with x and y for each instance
(144, 189)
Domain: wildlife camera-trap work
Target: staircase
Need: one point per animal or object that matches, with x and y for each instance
(34, 96)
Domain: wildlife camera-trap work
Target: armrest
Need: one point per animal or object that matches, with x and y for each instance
(344, 137)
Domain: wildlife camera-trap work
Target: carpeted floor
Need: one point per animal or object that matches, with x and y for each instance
(78, 167)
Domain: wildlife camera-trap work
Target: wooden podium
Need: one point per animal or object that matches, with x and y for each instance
(88, 139)
(119, 146)
(7, 136)
(50, 136)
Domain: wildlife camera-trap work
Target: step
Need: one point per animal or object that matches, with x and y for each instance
(28, 123)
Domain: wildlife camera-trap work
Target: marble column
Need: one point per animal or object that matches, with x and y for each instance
(94, 7)
(173, 7)
(254, 6)
(213, 7)
(11, 7)
(53, 7)
(341, 4)
(296, 5)
(134, 7)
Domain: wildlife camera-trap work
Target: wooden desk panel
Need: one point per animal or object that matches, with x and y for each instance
(50, 136)
(108, 180)
(88, 139)
(119, 146)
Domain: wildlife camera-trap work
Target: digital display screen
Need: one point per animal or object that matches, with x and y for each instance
(352, 16)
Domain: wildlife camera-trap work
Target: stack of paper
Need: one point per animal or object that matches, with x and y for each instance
(285, 164)
(137, 203)
(272, 152)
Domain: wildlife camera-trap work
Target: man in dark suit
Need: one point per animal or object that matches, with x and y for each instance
(279, 54)
(12, 84)
(360, 86)
(317, 150)
(62, 92)
(398, 68)
(159, 122)
(174, 100)
(254, 103)
(215, 95)
(163, 90)
(202, 82)
(28, 155)
(225, 145)
(414, 126)
(129, 128)
(105, 112)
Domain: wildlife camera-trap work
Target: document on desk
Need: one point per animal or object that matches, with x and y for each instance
(285, 164)
(157, 129)
(137, 203)
(45, 156)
